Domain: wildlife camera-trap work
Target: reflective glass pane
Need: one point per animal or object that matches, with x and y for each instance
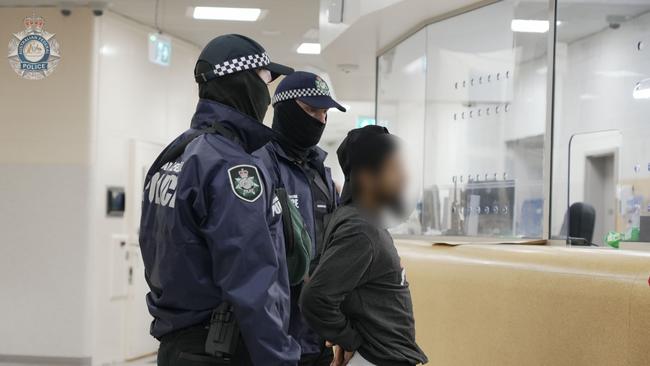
(485, 122)
(401, 76)
(601, 154)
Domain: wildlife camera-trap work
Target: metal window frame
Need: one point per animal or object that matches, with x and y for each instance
(547, 176)
(550, 119)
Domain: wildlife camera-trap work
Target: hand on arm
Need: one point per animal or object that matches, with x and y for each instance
(341, 356)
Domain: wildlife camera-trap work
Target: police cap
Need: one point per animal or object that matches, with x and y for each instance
(233, 53)
(308, 88)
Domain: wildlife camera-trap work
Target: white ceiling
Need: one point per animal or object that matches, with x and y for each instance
(361, 41)
(369, 25)
(284, 24)
(583, 19)
(287, 23)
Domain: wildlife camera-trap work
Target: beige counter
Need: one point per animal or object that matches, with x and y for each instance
(529, 305)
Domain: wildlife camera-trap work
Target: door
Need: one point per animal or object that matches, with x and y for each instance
(138, 341)
(600, 192)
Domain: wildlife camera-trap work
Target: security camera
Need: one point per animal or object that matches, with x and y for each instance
(66, 8)
(97, 7)
(614, 21)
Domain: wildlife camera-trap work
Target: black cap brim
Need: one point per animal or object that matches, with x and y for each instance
(322, 101)
(278, 69)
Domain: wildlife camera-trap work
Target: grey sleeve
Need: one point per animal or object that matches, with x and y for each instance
(342, 268)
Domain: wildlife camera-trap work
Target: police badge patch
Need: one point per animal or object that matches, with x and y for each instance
(321, 85)
(245, 182)
(34, 52)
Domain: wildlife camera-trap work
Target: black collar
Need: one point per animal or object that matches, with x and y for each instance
(315, 155)
(251, 134)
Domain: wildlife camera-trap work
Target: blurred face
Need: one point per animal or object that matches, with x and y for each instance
(387, 185)
(317, 113)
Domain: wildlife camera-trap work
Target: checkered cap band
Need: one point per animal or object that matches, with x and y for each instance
(241, 64)
(298, 93)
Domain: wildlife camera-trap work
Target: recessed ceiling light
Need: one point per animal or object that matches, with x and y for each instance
(219, 13)
(309, 48)
(529, 26)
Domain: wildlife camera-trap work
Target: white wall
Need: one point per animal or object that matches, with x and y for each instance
(135, 100)
(63, 140)
(338, 125)
(44, 160)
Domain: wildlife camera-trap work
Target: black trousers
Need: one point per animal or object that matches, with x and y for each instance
(186, 347)
(318, 359)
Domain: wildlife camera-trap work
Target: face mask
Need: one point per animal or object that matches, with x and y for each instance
(259, 95)
(296, 128)
(244, 91)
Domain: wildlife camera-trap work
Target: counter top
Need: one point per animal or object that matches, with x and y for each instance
(489, 304)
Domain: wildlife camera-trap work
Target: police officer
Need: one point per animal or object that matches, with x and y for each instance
(208, 233)
(301, 102)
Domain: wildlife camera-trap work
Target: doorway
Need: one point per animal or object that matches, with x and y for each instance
(600, 192)
(138, 342)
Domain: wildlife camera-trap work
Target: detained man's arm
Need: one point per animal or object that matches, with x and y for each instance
(247, 268)
(341, 269)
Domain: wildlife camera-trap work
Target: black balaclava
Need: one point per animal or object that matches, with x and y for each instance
(244, 91)
(363, 148)
(297, 131)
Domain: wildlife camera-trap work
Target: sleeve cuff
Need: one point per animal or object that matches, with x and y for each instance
(350, 340)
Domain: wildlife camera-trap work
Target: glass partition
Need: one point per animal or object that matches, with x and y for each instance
(601, 155)
(481, 100)
(400, 107)
(469, 95)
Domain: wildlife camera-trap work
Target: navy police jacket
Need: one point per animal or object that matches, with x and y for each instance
(294, 177)
(208, 234)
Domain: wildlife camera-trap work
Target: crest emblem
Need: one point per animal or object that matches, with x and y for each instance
(321, 85)
(33, 52)
(245, 182)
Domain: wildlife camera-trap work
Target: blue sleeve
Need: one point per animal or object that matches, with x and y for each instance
(250, 269)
